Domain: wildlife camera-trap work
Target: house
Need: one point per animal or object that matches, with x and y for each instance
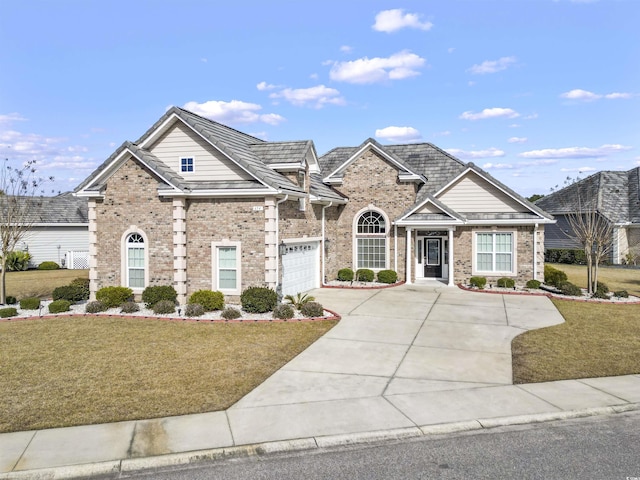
(198, 205)
(58, 231)
(614, 195)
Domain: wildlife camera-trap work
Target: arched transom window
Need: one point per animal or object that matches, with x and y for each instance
(371, 241)
(135, 261)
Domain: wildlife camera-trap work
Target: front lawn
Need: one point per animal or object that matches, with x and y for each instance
(65, 371)
(40, 283)
(596, 340)
(616, 278)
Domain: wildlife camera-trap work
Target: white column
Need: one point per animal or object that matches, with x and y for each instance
(451, 269)
(180, 248)
(93, 249)
(270, 242)
(409, 257)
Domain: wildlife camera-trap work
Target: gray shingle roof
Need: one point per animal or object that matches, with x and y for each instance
(61, 209)
(322, 191)
(273, 153)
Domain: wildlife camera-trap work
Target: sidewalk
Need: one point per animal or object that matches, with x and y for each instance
(442, 365)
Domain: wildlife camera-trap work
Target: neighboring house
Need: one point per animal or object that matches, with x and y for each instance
(614, 195)
(198, 205)
(58, 231)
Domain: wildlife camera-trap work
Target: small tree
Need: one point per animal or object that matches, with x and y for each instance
(20, 190)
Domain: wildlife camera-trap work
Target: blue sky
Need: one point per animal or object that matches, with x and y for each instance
(532, 91)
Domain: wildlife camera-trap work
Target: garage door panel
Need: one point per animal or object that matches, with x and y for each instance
(300, 268)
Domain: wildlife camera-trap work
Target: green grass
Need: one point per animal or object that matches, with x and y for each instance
(616, 278)
(596, 340)
(40, 283)
(68, 371)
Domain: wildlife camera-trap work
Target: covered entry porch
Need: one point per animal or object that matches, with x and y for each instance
(430, 254)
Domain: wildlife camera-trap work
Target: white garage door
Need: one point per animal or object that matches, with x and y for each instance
(300, 268)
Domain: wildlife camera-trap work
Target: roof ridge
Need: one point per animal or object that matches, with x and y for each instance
(189, 112)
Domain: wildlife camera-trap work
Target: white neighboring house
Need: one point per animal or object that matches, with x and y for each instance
(59, 232)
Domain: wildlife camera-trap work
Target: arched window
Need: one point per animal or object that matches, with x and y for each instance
(135, 261)
(371, 241)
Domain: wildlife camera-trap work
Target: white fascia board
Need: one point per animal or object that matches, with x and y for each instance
(232, 193)
(410, 177)
(287, 167)
(160, 130)
(61, 224)
(88, 194)
(510, 222)
(322, 201)
(314, 166)
(333, 181)
(424, 224)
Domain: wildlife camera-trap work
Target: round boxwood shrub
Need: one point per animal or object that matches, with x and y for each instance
(48, 266)
(155, 294)
(283, 312)
(114, 296)
(72, 293)
(533, 284)
(129, 307)
(312, 309)
(164, 307)
(387, 276)
(194, 310)
(568, 288)
(364, 275)
(209, 300)
(259, 299)
(231, 313)
(59, 306)
(11, 300)
(95, 307)
(505, 282)
(345, 275)
(478, 282)
(82, 284)
(8, 312)
(30, 303)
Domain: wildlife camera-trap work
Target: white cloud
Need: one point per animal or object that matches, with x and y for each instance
(235, 111)
(263, 86)
(395, 19)
(398, 66)
(497, 166)
(533, 116)
(474, 154)
(316, 97)
(490, 113)
(538, 163)
(492, 66)
(9, 118)
(444, 133)
(578, 169)
(398, 134)
(575, 152)
(587, 96)
(517, 140)
(346, 49)
(618, 95)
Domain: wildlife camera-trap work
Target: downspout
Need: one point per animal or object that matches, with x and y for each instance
(324, 283)
(278, 239)
(535, 252)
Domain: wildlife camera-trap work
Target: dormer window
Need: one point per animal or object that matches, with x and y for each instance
(186, 164)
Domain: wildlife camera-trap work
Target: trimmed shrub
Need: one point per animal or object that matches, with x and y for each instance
(153, 295)
(208, 299)
(18, 261)
(11, 300)
(565, 255)
(345, 275)
(478, 282)
(114, 296)
(81, 284)
(59, 306)
(364, 275)
(568, 288)
(72, 293)
(259, 299)
(194, 310)
(553, 276)
(48, 266)
(299, 300)
(505, 282)
(387, 276)
(164, 307)
(8, 312)
(230, 313)
(283, 312)
(621, 294)
(30, 303)
(533, 284)
(603, 287)
(129, 307)
(95, 307)
(312, 309)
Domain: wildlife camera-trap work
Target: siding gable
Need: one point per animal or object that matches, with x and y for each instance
(210, 165)
(429, 208)
(472, 193)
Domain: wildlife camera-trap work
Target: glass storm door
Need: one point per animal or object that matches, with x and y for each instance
(433, 257)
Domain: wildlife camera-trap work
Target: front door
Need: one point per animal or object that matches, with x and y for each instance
(432, 257)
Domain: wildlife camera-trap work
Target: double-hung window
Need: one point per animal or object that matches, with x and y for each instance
(226, 267)
(494, 252)
(371, 241)
(135, 261)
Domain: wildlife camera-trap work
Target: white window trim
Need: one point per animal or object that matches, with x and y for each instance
(184, 157)
(124, 269)
(355, 236)
(214, 267)
(514, 255)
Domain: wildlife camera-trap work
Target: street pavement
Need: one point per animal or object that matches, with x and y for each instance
(403, 362)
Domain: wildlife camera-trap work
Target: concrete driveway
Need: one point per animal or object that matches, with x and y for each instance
(397, 355)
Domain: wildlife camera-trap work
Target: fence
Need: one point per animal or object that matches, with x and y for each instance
(77, 260)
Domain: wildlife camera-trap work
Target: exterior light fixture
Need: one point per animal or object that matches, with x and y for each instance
(282, 249)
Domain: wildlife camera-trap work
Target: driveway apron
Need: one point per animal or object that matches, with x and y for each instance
(400, 357)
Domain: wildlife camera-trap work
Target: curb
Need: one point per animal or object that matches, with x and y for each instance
(116, 467)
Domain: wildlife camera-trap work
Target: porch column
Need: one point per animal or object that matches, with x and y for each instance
(409, 257)
(93, 249)
(451, 266)
(180, 248)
